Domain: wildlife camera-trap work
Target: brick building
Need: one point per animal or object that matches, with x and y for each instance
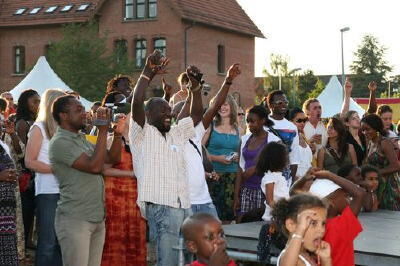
(208, 33)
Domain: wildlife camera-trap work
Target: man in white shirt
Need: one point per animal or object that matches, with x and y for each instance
(159, 162)
(284, 129)
(199, 195)
(314, 130)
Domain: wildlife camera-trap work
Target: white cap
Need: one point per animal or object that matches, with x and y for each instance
(323, 188)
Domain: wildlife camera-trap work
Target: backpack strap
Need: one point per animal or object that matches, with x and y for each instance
(194, 145)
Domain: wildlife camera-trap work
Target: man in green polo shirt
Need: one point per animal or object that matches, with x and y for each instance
(78, 165)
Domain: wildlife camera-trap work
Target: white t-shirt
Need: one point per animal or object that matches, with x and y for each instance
(288, 130)
(44, 183)
(245, 138)
(281, 190)
(310, 130)
(194, 166)
(306, 158)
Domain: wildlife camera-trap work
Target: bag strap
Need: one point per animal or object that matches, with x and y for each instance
(209, 137)
(194, 145)
(276, 133)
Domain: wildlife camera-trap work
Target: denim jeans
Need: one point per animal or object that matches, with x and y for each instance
(48, 250)
(205, 208)
(165, 224)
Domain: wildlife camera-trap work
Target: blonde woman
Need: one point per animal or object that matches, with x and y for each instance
(222, 140)
(47, 191)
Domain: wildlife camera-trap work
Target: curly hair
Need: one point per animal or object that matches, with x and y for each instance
(375, 122)
(23, 108)
(289, 209)
(273, 157)
(112, 83)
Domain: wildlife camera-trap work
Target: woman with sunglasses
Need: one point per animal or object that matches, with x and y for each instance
(306, 150)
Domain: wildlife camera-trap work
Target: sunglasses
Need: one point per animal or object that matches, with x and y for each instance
(241, 114)
(301, 120)
(281, 102)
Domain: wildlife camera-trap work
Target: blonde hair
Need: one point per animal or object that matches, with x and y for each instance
(44, 115)
(233, 116)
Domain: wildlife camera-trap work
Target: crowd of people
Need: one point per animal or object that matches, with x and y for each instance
(105, 184)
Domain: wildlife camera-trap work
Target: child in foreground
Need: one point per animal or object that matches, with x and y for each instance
(302, 219)
(370, 181)
(272, 161)
(205, 238)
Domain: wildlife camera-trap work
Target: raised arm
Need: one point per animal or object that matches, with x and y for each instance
(348, 87)
(168, 90)
(220, 98)
(357, 193)
(155, 64)
(195, 86)
(372, 105)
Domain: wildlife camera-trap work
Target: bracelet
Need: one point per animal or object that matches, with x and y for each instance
(297, 236)
(145, 77)
(196, 89)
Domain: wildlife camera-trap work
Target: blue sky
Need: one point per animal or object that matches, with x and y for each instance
(307, 31)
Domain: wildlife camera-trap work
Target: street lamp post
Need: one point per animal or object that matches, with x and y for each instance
(294, 93)
(341, 35)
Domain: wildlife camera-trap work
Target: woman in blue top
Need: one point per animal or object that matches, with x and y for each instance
(223, 142)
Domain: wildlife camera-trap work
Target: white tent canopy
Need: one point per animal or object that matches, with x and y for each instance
(41, 78)
(331, 99)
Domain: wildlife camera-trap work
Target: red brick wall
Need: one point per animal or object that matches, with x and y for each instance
(202, 46)
(34, 39)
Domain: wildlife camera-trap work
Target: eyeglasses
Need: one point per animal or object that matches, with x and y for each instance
(281, 102)
(301, 120)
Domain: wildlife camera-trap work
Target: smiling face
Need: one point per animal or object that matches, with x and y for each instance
(225, 110)
(368, 131)
(387, 119)
(372, 180)
(279, 105)
(160, 115)
(123, 86)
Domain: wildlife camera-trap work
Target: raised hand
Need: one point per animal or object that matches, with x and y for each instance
(304, 220)
(102, 118)
(195, 77)
(156, 63)
(233, 72)
(348, 87)
(372, 86)
(168, 89)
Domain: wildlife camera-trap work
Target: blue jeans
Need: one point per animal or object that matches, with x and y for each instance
(48, 250)
(165, 224)
(205, 208)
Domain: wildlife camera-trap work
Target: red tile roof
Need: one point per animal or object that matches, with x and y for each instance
(226, 14)
(9, 7)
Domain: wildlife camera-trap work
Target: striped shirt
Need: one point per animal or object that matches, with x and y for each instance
(159, 163)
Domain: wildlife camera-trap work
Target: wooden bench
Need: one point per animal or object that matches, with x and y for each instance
(377, 245)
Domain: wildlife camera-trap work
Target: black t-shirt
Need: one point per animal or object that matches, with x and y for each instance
(359, 149)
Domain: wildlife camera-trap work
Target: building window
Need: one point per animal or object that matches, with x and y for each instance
(140, 9)
(152, 8)
(128, 9)
(19, 59)
(140, 53)
(121, 50)
(161, 45)
(221, 59)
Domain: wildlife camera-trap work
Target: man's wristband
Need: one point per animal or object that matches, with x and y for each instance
(145, 77)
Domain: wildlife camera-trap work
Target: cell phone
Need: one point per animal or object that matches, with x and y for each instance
(231, 156)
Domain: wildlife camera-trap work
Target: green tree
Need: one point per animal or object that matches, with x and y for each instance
(369, 65)
(307, 83)
(318, 88)
(82, 60)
